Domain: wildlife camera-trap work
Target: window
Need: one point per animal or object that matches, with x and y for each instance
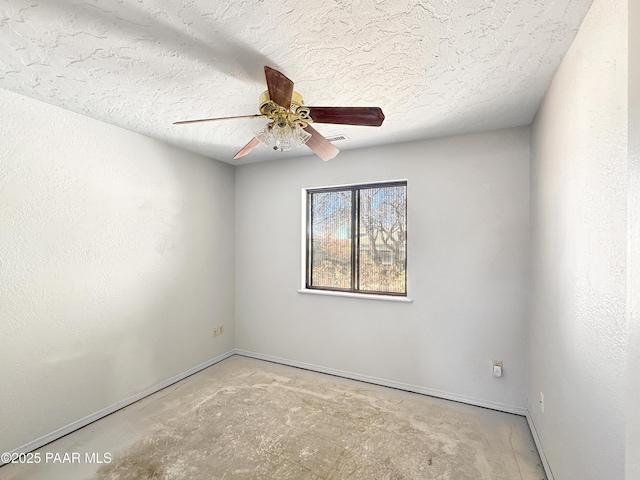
(357, 239)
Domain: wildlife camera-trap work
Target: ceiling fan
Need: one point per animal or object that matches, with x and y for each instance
(290, 119)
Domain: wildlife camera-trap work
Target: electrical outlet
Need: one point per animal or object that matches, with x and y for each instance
(541, 402)
(217, 330)
(497, 368)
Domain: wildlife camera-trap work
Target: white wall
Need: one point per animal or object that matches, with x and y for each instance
(116, 260)
(468, 225)
(579, 246)
(633, 257)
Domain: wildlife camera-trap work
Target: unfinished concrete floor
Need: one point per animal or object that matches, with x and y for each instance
(248, 419)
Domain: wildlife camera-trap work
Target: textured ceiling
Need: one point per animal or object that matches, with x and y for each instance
(436, 68)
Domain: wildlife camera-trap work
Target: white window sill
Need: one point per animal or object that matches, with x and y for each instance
(384, 298)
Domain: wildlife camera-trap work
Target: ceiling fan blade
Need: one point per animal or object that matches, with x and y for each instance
(184, 122)
(368, 116)
(320, 145)
(280, 87)
(247, 148)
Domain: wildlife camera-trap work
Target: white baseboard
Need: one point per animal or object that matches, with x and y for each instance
(83, 422)
(536, 439)
(389, 383)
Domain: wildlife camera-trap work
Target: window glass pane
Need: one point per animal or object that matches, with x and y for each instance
(331, 239)
(383, 234)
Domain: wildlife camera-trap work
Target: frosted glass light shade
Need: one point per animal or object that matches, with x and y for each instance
(283, 137)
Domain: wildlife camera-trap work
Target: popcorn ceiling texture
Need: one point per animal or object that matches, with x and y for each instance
(436, 68)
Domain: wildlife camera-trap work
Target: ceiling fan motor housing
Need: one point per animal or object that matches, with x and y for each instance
(297, 116)
(267, 105)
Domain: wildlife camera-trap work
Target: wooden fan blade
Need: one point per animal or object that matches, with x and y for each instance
(320, 145)
(247, 148)
(184, 122)
(369, 116)
(280, 87)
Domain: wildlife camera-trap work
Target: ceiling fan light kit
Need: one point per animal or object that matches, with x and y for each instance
(285, 131)
(289, 126)
(283, 137)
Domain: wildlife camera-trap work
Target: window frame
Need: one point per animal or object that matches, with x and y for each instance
(354, 236)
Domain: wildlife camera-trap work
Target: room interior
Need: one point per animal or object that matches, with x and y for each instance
(127, 239)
